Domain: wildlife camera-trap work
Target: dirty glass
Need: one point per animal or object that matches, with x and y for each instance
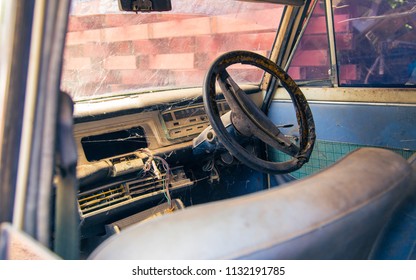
(311, 61)
(376, 42)
(109, 52)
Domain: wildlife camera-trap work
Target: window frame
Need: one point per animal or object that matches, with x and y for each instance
(334, 92)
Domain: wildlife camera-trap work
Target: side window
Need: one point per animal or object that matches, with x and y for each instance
(311, 61)
(376, 42)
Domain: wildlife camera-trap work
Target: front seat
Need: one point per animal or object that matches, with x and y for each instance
(337, 213)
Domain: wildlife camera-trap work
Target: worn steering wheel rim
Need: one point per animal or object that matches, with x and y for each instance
(303, 112)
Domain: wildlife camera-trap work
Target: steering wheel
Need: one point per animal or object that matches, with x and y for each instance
(250, 121)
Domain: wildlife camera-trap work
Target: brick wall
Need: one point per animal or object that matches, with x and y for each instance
(161, 50)
(116, 52)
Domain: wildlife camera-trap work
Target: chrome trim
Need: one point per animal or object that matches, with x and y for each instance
(331, 41)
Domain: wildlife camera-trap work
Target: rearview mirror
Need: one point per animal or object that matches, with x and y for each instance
(144, 5)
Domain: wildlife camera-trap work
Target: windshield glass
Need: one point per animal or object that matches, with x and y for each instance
(109, 52)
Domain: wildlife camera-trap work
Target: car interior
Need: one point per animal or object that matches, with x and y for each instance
(209, 168)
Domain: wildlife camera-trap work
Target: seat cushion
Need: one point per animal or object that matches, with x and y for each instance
(334, 214)
(398, 240)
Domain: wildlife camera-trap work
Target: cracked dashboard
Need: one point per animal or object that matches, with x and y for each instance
(136, 158)
(118, 138)
(116, 152)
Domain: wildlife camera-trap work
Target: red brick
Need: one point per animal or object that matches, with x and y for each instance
(188, 77)
(311, 58)
(223, 43)
(165, 45)
(151, 46)
(181, 45)
(142, 62)
(210, 43)
(344, 41)
(133, 77)
(259, 41)
(144, 77)
(244, 22)
(120, 62)
(121, 48)
(75, 24)
(204, 60)
(226, 24)
(82, 23)
(125, 33)
(349, 72)
(107, 77)
(77, 63)
(294, 73)
(82, 37)
(95, 50)
(119, 20)
(172, 61)
(269, 18)
(180, 28)
(316, 25)
(314, 42)
(73, 51)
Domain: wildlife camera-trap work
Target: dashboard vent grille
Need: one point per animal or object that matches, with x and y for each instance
(102, 198)
(144, 186)
(115, 195)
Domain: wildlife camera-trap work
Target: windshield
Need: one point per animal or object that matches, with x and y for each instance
(109, 52)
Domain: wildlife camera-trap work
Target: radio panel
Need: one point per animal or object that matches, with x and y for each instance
(188, 121)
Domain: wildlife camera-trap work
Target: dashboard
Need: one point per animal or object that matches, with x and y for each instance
(113, 152)
(136, 159)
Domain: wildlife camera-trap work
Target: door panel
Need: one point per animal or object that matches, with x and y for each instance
(344, 127)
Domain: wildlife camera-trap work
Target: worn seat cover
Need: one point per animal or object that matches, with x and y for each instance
(334, 214)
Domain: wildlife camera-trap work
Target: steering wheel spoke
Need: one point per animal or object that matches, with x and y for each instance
(282, 143)
(250, 121)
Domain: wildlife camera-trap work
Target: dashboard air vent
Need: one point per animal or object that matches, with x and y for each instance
(102, 198)
(112, 196)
